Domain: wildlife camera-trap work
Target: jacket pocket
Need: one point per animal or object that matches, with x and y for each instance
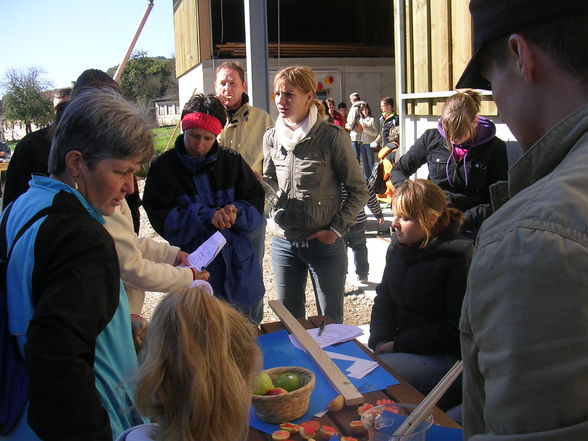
(309, 174)
(319, 210)
(437, 163)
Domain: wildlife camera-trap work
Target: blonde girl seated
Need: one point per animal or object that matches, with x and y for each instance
(415, 317)
(196, 371)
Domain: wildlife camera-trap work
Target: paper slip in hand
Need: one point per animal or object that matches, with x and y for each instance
(206, 252)
(332, 334)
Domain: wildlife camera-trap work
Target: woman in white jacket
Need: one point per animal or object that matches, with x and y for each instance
(368, 135)
(148, 265)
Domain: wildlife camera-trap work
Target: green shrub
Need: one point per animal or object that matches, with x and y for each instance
(162, 136)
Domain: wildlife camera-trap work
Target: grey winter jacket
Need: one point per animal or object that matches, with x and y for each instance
(524, 323)
(308, 182)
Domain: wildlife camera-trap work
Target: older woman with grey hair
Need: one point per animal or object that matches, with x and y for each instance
(66, 309)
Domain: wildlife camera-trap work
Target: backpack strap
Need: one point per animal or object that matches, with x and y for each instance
(3, 233)
(3, 244)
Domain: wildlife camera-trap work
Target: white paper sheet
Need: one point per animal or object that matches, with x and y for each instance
(206, 252)
(359, 369)
(332, 334)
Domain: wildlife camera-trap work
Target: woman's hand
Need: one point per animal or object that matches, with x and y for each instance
(221, 219)
(325, 236)
(200, 275)
(384, 348)
(182, 258)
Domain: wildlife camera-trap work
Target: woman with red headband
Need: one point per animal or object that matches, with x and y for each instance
(198, 188)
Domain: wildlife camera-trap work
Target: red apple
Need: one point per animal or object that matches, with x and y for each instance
(366, 406)
(356, 428)
(290, 427)
(308, 429)
(280, 435)
(327, 432)
(276, 391)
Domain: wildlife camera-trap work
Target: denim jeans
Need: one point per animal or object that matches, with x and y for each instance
(424, 372)
(367, 160)
(357, 148)
(257, 239)
(355, 239)
(327, 264)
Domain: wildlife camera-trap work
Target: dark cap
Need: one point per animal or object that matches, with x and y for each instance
(495, 18)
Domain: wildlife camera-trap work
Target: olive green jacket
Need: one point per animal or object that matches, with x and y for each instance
(524, 323)
(308, 182)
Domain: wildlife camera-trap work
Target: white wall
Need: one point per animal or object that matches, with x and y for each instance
(372, 78)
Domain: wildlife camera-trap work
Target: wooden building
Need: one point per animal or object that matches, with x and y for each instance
(348, 43)
(433, 44)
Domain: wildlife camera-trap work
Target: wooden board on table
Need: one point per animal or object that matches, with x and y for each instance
(339, 381)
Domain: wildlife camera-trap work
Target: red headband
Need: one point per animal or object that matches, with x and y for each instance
(200, 120)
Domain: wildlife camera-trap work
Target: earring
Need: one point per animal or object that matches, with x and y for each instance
(76, 184)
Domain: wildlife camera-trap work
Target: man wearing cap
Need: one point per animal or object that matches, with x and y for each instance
(524, 320)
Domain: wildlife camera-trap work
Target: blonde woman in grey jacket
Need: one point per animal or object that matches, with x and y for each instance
(306, 160)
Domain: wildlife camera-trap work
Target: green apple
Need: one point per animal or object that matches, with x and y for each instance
(288, 381)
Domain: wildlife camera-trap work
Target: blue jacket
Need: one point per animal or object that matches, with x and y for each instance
(68, 308)
(182, 193)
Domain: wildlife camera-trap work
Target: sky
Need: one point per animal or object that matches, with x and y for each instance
(66, 37)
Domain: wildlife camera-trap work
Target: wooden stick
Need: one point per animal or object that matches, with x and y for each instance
(419, 414)
(339, 381)
(173, 135)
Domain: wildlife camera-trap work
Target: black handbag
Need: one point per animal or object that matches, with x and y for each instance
(376, 180)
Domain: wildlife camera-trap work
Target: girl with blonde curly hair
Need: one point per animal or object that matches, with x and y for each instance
(196, 372)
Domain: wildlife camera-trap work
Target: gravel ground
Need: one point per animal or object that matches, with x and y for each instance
(357, 307)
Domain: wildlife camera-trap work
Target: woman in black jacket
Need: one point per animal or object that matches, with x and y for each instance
(414, 323)
(464, 158)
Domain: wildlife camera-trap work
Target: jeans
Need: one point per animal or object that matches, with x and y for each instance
(355, 239)
(424, 372)
(357, 148)
(327, 264)
(257, 239)
(367, 160)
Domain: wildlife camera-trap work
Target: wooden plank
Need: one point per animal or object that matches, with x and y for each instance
(461, 44)
(488, 107)
(440, 50)
(203, 31)
(409, 54)
(339, 381)
(186, 36)
(421, 54)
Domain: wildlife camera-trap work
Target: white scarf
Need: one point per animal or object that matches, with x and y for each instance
(288, 137)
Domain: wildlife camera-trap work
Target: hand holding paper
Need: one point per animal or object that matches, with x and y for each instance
(206, 252)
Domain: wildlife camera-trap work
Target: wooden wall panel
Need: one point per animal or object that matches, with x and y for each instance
(461, 37)
(441, 75)
(421, 53)
(192, 34)
(409, 54)
(438, 45)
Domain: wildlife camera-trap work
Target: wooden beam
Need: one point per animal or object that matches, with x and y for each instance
(339, 381)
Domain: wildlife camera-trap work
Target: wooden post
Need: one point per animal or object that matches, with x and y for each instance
(123, 63)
